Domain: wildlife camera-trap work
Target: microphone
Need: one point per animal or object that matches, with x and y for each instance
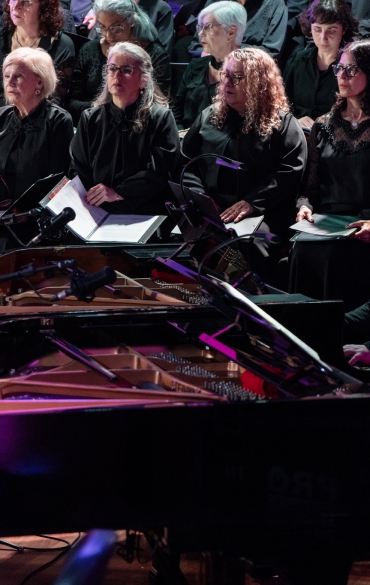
(12, 217)
(83, 286)
(53, 227)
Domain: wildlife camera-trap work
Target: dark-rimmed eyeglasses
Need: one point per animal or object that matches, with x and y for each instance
(235, 78)
(206, 28)
(125, 70)
(23, 3)
(349, 70)
(113, 29)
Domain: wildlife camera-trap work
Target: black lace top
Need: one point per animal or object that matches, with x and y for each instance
(338, 170)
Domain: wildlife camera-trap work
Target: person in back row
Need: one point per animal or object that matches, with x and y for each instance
(221, 27)
(117, 21)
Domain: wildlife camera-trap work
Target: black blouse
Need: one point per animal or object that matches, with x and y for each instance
(310, 91)
(274, 165)
(33, 147)
(194, 93)
(337, 175)
(105, 149)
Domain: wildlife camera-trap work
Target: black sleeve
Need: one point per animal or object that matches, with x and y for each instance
(144, 187)
(62, 134)
(310, 187)
(79, 100)
(191, 147)
(291, 154)
(62, 52)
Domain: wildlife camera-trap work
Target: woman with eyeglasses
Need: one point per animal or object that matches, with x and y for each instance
(249, 122)
(116, 21)
(308, 75)
(337, 182)
(38, 23)
(220, 27)
(127, 146)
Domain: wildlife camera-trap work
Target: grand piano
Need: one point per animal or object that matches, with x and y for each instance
(205, 424)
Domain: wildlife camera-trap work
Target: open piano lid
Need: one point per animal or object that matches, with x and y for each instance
(272, 352)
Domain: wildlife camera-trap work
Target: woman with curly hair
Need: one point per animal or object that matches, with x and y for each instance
(249, 122)
(336, 183)
(38, 23)
(308, 75)
(127, 146)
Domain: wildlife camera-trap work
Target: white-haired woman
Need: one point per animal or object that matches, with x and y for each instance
(220, 27)
(34, 134)
(127, 146)
(116, 21)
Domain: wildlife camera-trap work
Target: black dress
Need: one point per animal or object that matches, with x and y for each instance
(62, 52)
(310, 91)
(105, 149)
(336, 181)
(34, 147)
(275, 165)
(88, 74)
(194, 93)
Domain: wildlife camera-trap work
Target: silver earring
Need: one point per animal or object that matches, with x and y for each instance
(142, 91)
(37, 91)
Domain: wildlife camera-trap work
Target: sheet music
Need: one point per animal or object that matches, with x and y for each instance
(87, 217)
(326, 225)
(125, 228)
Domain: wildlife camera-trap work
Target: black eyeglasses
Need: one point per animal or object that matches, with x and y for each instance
(125, 70)
(349, 70)
(235, 79)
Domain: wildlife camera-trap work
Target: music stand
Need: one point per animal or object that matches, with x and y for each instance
(199, 221)
(28, 200)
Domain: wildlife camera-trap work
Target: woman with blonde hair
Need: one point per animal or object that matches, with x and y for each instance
(34, 133)
(249, 122)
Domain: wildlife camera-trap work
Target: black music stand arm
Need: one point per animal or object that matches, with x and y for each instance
(77, 354)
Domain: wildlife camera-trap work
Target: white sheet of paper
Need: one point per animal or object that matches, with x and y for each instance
(326, 225)
(87, 217)
(133, 226)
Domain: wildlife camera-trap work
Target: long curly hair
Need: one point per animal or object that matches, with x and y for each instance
(50, 17)
(329, 12)
(263, 89)
(361, 53)
(150, 94)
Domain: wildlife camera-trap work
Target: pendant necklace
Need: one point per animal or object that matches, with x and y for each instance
(29, 46)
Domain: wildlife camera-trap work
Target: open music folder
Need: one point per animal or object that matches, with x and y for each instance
(93, 224)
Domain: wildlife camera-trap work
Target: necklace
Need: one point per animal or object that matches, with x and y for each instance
(29, 46)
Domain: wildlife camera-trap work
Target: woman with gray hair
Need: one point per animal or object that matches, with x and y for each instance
(127, 146)
(116, 21)
(220, 27)
(34, 134)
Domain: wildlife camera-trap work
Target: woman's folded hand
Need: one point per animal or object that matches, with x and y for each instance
(101, 194)
(304, 213)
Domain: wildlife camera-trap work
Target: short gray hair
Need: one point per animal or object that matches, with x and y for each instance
(39, 62)
(142, 28)
(228, 14)
(150, 94)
